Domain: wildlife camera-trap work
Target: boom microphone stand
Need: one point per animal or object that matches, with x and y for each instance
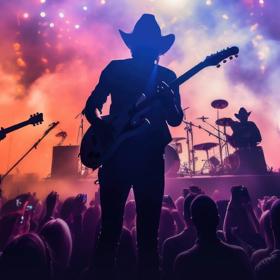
(34, 146)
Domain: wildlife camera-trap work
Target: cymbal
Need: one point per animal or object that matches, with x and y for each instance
(177, 139)
(224, 121)
(205, 146)
(219, 104)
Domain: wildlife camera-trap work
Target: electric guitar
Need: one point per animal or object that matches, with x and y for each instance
(101, 141)
(34, 120)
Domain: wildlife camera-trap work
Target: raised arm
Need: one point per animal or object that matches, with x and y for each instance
(98, 96)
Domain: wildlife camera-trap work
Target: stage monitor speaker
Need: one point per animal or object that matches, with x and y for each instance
(65, 161)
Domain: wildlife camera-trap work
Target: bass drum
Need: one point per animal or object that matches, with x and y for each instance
(171, 161)
(232, 163)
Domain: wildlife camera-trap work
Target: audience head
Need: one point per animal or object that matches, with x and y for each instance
(204, 214)
(179, 203)
(8, 227)
(265, 227)
(187, 207)
(167, 225)
(57, 234)
(275, 219)
(26, 257)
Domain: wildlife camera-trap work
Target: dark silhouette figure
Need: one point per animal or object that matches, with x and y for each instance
(177, 244)
(269, 268)
(58, 237)
(210, 258)
(241, 226)
(266, 231)
(246, 137)
(245, 133)
(139, 160)
(27, 257)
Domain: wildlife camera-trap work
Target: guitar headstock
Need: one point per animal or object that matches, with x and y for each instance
(36, 119)
(221, 56)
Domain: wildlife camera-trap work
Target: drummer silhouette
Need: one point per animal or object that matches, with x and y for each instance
(245, 133)
(245, 138)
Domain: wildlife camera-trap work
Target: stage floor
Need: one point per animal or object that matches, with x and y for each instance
(216, 186)
(219, 186)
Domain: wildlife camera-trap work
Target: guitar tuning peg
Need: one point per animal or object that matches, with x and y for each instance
(230, 57)
(224, 61)
(218, 66)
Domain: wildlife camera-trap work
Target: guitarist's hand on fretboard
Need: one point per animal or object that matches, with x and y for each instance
(166, 93)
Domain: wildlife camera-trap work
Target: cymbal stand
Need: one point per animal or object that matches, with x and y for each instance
(191, 152)
(220, 142)
(207, 163)
(226, 142)
(221, 133)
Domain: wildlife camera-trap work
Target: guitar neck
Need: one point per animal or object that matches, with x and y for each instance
(187, 75)
(177, 82)
(16, 126)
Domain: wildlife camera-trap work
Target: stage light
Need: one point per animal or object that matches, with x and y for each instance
(103, 2)
(61, 14)
(85, 8)
(51, 25)
(43, 14)
(77, 26)
(261, 2)
(208, 2)
(25, 15)
(42, 1)
(225, 16)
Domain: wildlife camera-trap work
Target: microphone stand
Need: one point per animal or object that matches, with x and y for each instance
(206, 130)
(34, 146)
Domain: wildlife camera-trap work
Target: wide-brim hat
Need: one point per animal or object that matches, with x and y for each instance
(242, 113)
(147, 33)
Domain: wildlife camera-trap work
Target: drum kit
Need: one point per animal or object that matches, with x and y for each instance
(224, 163)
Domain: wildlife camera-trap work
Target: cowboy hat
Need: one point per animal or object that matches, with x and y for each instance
(147, 33)
(242, 112)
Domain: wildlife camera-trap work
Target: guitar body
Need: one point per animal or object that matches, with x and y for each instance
(97, 146)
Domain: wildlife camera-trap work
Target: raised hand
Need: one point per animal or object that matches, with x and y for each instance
(79, 204)
(51, 202)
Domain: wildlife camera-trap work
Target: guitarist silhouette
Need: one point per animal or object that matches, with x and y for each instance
(138, 162)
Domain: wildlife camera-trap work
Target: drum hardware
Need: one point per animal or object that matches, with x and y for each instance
(189, 141)
(177, 145)
(203, 118)
(208, 164)
(210, 133)
(219, 104)
(224, 122)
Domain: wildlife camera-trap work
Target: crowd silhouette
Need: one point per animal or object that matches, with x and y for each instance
(55, 239)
